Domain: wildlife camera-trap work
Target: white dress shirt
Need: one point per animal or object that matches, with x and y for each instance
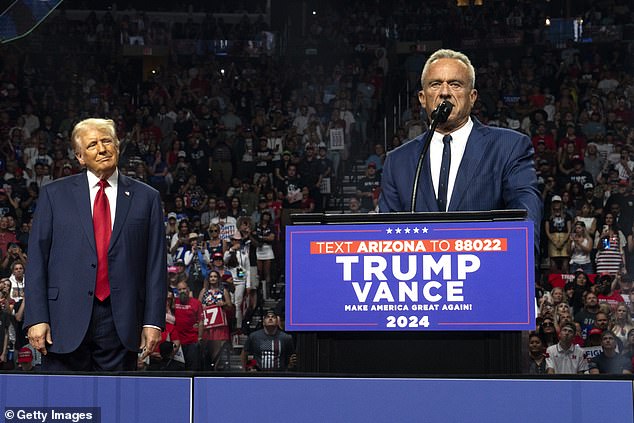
(458, 144)
(111, 192)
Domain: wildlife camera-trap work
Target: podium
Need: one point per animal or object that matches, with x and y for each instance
(350, 332)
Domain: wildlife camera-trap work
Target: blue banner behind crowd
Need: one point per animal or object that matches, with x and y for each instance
(410, 276)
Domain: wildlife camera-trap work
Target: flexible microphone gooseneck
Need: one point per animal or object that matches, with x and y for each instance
(439, 115)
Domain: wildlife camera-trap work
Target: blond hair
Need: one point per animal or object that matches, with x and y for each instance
(104, 126)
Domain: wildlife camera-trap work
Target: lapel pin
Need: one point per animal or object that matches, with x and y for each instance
(127, 193)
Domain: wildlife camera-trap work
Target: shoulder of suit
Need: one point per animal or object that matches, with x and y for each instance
(497, 132)
(408, 148)
(64, 182)
(136, 185)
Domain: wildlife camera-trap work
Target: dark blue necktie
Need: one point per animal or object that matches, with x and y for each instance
(443, 182)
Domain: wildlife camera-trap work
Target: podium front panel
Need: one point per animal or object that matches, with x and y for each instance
(410, 276)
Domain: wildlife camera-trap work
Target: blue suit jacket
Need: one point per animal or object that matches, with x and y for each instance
(496, 173)
(62, 262)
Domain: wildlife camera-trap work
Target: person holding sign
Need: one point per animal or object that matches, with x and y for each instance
(214, 331)
(487, 168)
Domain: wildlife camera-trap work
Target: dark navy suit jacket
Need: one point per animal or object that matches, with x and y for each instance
(62, 262)
(496, 173)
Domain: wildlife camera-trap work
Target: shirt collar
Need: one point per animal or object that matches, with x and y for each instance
(93, 180)
(461, 134)
(562, 350)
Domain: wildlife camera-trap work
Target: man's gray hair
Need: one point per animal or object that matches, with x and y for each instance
(449, 54)
(103, 126)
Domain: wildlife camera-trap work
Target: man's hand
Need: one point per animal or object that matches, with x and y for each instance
(40, 335)
(150, 338)
(292, 361)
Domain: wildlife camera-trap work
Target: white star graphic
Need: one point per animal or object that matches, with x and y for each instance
(425, 230)
(398, 230)
(407, 230)
(416, 230)
(388, 230)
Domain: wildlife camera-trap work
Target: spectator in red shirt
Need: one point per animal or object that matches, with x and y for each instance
(169, 334)
(187, 318)
(607, 293)
(6, 236)
(542, 135)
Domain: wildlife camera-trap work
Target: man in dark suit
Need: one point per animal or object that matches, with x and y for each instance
(95, 301)
(490, 168)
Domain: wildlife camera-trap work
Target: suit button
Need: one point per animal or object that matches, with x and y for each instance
(90, 293)
(93, 265)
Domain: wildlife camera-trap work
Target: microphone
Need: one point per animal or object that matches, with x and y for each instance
(439, 115)
(442, 112)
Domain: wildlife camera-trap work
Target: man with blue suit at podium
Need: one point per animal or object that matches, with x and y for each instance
(469, 166)
(97, 265)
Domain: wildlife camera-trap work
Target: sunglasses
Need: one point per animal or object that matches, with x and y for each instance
(547, 324)
(213, 230)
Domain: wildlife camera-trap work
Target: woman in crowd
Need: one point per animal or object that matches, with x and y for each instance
(569, 293)
(548, 331)
(561, 308)
(215, 334)
(622, 323)
(546, 306)
(576, 194)
(610, 244)
(557, 228)
(194, 196)
(238, 263)
(536, 356)
(566, 156)
(557, 295)
(581, 284)
(265, 235)
(159, 172)
(196, 260)
(262, 185)
(172, 155)
(585, 216)
(580, 248)
(214, 244)
(235, 208)
(568, 204)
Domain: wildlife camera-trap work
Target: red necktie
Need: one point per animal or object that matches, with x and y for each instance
(101, 225)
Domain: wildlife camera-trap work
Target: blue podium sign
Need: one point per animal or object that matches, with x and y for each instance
(410, 276)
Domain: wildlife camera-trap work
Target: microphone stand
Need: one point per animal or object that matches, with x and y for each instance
(439, 115)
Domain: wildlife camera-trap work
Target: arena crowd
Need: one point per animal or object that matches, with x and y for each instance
(236, 138)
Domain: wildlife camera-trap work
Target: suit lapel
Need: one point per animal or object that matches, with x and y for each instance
(124, 200)
(81, 194)
(426, 199)
(469, 166)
